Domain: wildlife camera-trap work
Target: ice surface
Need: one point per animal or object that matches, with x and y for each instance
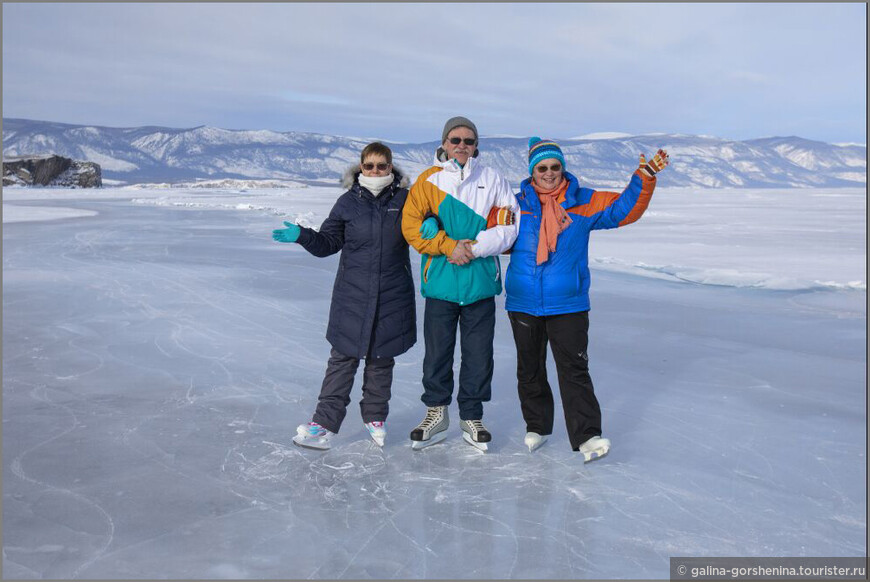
(157, 359)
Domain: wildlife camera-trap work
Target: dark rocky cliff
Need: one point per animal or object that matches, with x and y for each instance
(51, 170)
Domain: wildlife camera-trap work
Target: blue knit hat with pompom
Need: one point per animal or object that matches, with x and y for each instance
(543, 149)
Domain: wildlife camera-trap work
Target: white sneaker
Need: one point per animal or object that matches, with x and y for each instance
(378, 431)
(595, 448)
(313, 436)
(432, 429)
(534, 440)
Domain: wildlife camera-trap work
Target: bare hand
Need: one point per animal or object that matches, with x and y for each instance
(462, 254)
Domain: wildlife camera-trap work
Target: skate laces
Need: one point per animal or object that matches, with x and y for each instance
(433, 416)
(476, 425)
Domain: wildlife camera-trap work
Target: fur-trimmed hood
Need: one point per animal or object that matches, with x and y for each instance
(353, 171)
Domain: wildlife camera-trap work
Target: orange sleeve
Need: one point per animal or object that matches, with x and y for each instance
(424, 197)
(646, 191)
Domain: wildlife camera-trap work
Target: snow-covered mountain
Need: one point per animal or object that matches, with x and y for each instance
(162, 154)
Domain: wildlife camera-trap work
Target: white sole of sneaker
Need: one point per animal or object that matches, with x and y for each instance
(473, 443)
(434, 439)
(595, 454)
(310, 443)
(536, 444)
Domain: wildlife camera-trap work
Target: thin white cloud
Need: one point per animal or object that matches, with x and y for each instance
(736, 70)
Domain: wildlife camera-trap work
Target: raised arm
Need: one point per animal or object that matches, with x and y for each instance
(619, 209)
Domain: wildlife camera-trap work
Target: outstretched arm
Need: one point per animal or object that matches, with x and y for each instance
(619, 209)
(327, 241)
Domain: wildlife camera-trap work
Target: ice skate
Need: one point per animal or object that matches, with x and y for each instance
(433, 428)
(313, 436)
(378, 431)
(594, 448)
(475, 434)
(534, 440)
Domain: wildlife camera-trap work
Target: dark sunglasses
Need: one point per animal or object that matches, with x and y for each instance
(458, 140)
(542, 169)
(368, 166)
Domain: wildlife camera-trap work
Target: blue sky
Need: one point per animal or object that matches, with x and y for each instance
(398, 71)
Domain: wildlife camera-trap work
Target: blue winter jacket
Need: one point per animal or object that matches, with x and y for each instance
(561, 283)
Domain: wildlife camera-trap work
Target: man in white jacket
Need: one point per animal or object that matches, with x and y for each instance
(461, 275)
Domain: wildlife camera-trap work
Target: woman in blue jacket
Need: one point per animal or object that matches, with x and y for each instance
(373, 311)
(547, 285)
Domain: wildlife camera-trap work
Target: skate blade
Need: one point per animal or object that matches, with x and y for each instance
(417, 445)
(473, 443)
(537, 445)
(378, 441)
(303, 442)
(595, 454)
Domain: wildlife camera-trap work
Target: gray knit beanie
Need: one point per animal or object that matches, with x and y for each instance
(455, 122)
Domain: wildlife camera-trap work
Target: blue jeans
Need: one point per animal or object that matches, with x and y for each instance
(476, 330)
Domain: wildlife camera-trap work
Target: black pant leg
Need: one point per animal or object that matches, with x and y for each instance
(536, 396)
(335, 391)
(568, 335)
(377, 386)
(440, 319)
(476, 332)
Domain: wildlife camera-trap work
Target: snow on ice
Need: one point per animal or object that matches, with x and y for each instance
(160, 349)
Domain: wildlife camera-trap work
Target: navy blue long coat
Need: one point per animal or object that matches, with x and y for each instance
(373, 312)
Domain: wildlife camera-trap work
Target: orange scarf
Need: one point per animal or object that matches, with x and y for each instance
(554, 219)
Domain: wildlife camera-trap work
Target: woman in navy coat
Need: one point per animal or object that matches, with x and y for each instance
(373, 313)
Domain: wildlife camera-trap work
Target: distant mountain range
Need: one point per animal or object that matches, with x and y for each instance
(162, 154)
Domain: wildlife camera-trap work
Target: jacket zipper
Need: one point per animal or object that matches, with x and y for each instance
(426, 269)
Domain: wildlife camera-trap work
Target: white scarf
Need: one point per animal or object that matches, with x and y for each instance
(375, 184)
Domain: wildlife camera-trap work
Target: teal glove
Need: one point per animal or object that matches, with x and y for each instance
(289, 234)
(429, 228)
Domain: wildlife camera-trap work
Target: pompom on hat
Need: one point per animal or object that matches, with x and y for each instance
(543, 149)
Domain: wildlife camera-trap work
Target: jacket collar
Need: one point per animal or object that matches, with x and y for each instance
(452, 167)
(349, 179)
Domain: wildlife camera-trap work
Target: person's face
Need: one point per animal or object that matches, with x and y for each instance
(460, 151)
(375, 165)
(548, 173)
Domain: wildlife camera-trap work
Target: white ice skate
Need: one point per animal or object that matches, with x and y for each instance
(433, 428)
(594, 448)
(313, 436)
(534, 440)
(475, 434)
(378, 431)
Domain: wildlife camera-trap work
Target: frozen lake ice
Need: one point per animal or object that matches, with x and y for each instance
(159, 353)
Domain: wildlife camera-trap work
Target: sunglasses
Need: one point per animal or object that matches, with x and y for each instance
(458, 140)
(368, 166)
(542, 169)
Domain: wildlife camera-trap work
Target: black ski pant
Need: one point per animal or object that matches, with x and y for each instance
(338, 381)
(476, 330)
(567, 335)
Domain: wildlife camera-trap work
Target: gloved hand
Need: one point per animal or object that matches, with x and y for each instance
(659, 162)
(287, 235)
(429, 228)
